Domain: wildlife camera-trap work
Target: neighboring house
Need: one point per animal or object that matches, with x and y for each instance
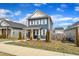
(72, 32)
(9, 29)
(59, 33)
(39, 23)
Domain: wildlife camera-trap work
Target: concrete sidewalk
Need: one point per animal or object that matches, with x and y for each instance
(25, 51)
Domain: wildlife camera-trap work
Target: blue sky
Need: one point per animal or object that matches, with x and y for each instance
(62, 14)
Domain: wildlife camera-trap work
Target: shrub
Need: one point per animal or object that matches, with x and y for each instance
(0, 36)
(38, 38)
(31, 35)
(48, 36)
(20, 36)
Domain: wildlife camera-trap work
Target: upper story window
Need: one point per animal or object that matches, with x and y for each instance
(41, 21)
(35, 22)
(29, 22)
(38, 22)
(45, 21)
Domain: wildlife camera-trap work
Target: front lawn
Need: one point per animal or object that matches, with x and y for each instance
(54, 45)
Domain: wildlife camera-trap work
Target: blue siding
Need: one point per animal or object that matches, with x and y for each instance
(43, 26)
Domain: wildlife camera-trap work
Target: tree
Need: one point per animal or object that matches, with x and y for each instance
(31, 37)
(20, 36)
(48, 36)
(77, 37)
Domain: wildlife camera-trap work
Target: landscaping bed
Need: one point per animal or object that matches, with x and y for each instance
(54, 45)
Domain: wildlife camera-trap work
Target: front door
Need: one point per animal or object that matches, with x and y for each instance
(35, 33)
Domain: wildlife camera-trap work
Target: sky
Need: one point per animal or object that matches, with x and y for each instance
(62, 14)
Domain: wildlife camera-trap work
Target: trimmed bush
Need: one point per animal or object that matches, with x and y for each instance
(48, 36)
(20, 36)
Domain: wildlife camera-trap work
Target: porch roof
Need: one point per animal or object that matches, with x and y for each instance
(32, 28)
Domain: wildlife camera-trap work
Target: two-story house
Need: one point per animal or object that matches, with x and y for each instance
(39, 23)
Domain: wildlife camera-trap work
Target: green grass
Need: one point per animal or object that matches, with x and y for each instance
(54, 45)
(5, 54)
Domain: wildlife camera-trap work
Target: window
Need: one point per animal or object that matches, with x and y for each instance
(45, 31)
(33, 22)
(42, 32)
(38, 22)
(42, 21)
(35, 32)
(30, 22)
(45, 21)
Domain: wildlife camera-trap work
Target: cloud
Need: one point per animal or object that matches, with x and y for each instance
(17, 13)
(39, 4)
(24, 19)
(60, 9)
(77, 8)
(62, 21)
(5, 13)
(59, 18)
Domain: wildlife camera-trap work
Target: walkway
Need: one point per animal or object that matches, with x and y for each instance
(25, 51)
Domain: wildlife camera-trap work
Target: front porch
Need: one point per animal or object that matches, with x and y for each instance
(5, 32)
(35, 33)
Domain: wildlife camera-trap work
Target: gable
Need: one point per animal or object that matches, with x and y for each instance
(4, 23)
(38, 14)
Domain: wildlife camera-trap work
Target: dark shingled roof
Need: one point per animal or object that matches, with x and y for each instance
(16, 25)
(13, 24)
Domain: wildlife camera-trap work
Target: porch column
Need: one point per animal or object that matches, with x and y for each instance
(39, 33)
(6, 33)
(25, 36)
(31, 34)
